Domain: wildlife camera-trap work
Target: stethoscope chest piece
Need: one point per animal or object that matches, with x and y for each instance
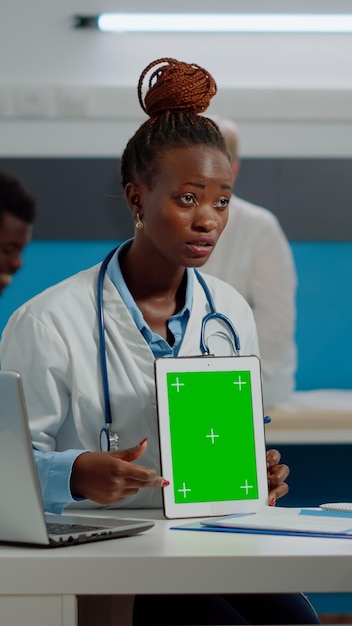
(109, 441)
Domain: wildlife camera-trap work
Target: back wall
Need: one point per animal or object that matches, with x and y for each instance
(324, 301)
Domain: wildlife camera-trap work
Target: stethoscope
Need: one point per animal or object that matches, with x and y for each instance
(109, 440)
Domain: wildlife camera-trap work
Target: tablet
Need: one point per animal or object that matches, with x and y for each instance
(211, 431)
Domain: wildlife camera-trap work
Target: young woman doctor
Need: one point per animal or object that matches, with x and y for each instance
(177, 178)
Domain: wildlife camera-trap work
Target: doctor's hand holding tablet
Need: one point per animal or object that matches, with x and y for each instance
(277, 475)
(86, 348)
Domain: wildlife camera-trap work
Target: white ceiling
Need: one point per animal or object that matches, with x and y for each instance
(38, 45)
(211, 6)
(49, 69)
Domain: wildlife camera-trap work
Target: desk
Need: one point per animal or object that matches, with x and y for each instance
(39, 585)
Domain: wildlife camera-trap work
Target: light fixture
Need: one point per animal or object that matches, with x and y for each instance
(217, 22)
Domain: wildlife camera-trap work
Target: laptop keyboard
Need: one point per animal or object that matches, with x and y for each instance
(65, 529)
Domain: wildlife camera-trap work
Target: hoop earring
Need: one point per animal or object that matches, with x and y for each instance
(139, 223)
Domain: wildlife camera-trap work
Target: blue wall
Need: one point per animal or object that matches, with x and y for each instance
(46, 263)
(324, 299)
(324, 314)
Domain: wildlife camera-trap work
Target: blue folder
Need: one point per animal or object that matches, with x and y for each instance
(207, 527)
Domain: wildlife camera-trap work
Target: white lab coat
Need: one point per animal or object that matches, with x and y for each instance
(254, 256)
(52, 340)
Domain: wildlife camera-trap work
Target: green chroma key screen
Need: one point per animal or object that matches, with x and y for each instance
(212, 436)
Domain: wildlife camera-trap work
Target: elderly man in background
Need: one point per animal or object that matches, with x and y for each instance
(254, 256)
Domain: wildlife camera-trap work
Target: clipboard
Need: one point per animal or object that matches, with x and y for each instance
(211, 432)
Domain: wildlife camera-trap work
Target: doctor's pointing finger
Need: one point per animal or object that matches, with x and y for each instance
(108, 477)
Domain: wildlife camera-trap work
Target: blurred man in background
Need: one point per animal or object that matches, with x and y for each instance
(17, 214)
(254, 256)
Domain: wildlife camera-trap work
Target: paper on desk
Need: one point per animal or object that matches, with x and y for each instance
(307, 522)
(282, 519)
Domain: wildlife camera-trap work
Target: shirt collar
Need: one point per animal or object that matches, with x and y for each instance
(115, 275)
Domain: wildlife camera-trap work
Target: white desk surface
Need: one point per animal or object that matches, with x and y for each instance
(163, 560)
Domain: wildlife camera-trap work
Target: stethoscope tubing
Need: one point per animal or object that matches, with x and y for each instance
(108, 439)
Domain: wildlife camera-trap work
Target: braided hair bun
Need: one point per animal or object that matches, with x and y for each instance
(175, 94)
(176, 85)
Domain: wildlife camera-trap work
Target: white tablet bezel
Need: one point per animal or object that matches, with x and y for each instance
(173, 510)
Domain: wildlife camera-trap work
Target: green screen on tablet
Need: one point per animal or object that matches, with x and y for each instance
(212, 435)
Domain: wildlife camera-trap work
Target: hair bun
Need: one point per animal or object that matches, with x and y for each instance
(176, 86)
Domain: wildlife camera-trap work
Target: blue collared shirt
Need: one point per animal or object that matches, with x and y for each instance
(177, 323)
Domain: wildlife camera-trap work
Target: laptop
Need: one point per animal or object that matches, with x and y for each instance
(22, 519)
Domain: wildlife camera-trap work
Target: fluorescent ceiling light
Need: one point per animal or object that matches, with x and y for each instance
(223, 22)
